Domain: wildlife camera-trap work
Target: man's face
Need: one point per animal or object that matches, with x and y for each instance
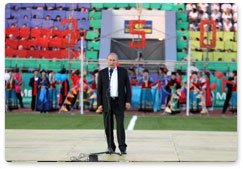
(194, 76)
(145, 74)
(112, 61)
(173, 77)
(43, 74)
(36, 73)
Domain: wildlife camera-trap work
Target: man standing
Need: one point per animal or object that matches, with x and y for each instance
(10, 94)
(229, 92)
(114, 95)
(33, 85)
(64, 88)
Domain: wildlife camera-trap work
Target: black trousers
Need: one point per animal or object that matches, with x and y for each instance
(20, 99)
(109, 121)
(33, 103)
(226, 102)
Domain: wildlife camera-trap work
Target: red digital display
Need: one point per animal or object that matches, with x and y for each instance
(142, 44)
(202, 30)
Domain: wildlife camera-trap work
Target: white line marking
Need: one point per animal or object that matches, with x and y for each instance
(132, 122)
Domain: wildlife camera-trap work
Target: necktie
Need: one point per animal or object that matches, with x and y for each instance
(111, 71)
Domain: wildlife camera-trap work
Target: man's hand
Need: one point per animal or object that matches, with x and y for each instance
(99, 109)
(128, 106)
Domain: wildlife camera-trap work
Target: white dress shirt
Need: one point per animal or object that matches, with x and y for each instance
(113, 83)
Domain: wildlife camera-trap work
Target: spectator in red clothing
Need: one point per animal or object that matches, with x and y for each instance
(178, 76)
(75, 76)
(146, 101)
(43, 42)
(18, 77)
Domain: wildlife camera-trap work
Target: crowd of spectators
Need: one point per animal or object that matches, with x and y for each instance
(37, 31)
(224, 14)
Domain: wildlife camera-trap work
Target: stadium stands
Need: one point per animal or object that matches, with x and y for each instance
(181, 55)
(37, 27)
(197, 56)
(109, 5)
(155, 5)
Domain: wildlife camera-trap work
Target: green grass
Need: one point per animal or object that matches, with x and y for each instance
(144, 122)
(55, 121)
(194, 123)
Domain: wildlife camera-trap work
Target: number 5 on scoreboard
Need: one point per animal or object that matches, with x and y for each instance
(142, 44)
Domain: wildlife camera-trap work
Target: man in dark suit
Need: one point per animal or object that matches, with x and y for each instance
(229, 92)
(33, 85)
(114, 89)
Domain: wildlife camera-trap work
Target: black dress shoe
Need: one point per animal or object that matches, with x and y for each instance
(110, 150)
(124, 152)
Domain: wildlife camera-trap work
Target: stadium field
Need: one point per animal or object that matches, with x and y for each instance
(143, 122)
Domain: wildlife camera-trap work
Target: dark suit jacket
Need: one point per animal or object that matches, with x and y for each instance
(124, 91)
(31, 84)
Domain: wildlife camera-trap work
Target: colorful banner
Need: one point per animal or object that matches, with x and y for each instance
(26, 90)
(147, 27)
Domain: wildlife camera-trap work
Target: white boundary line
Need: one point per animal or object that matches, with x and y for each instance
(132, 122)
